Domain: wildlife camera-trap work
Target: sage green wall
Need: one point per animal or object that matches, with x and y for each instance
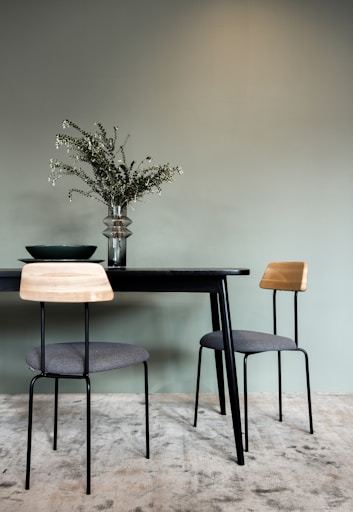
(253, 98)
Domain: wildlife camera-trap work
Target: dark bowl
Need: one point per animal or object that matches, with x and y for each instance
(61, 252)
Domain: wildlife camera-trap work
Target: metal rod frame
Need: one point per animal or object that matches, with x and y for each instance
(220, 379)
(85, 376)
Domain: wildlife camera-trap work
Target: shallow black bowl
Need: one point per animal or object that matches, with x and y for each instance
(61, 252)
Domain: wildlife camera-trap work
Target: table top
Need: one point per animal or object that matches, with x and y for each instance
(196, 279)
(211, 271)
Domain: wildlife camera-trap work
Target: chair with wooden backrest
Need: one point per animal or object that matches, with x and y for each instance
(84, 283)
(284, 276)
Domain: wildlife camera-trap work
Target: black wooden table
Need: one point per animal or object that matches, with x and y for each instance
(194, 280)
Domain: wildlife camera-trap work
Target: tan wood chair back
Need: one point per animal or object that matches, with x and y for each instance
(286, 275)
(65, 282)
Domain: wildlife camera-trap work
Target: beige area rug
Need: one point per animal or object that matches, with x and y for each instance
(190, 470)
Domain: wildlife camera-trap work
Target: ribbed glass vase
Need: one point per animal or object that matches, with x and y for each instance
(117, 232)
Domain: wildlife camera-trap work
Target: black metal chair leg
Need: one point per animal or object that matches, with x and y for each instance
(220, 380)
(29, 435)
(56, 395)
(245, 377)
(311, 427)
(88, 418)
(147, 412)
(280, 416)
(197, 387)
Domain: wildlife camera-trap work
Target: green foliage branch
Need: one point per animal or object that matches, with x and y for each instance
(110, 179)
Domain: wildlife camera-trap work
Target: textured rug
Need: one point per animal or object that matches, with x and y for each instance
(190, 470)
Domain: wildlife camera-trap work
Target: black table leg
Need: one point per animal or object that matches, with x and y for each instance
(231, 370)
(220, 380)
(218, 353)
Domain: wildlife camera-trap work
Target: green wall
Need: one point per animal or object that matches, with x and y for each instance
(253, 98)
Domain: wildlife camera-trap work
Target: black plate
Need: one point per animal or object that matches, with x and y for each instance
(33, 260)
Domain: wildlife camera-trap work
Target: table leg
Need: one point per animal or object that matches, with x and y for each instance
(231, 370)
(220, 380)
(218, 354)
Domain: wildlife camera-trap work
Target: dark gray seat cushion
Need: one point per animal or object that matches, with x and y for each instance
(68, 358)
(249, 342)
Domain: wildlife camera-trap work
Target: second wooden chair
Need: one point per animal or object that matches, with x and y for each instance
(278, 276)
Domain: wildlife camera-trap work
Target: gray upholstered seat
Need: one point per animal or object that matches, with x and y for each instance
(249, 342)
(69, 358)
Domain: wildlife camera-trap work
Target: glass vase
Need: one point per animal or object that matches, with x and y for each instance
(117, 233)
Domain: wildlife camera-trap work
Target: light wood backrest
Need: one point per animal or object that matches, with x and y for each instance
(286, 275)
(65, 282)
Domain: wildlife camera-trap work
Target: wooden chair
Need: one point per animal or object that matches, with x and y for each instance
(67, 282)
(278, 276)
